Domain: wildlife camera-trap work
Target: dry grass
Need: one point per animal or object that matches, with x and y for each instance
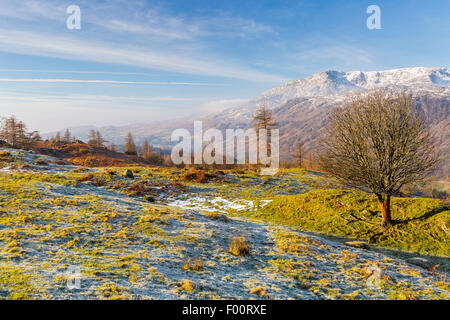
(239, 246)
(197, 175)
(193, 265)
(260, 291)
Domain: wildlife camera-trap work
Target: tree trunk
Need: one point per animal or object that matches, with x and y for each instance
(385, 206)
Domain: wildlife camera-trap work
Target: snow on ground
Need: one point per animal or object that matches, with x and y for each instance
(216, 204)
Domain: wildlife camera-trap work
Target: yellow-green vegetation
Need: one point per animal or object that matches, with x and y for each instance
(18, 283)
(187, 285)
(420, 225)
(54, 217)
(193, 265)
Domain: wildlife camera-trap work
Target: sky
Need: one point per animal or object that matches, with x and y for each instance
(136, 61)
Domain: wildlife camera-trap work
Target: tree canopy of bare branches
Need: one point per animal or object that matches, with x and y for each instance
(264, 119)
(14, 132)
(96, 139)
(379, 142)
(130, 146)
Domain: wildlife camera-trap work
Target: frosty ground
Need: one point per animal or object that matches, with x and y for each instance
(138, 238)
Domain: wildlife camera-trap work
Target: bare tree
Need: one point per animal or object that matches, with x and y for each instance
(57, 138)
(379, 142)
(92, 141)
(99, 140)
(95, 139)
(112, 147)
(264, 119)
(67, 136)
(14, 132)
(299, 155)
(130, 147)
(146, 151)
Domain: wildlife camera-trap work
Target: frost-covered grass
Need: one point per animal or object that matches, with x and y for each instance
(195, 241)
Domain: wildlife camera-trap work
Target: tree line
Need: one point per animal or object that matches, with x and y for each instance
(15, 133)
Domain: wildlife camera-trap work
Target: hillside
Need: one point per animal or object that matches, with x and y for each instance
(82, 154)
(301, 107)
(158, 236)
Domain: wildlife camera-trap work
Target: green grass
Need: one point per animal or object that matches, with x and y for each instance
(420, 225)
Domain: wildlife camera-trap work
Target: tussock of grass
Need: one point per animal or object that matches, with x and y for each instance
(193, 265)
(239, 246)
(420, 225)
(196, 176)
(260, 291)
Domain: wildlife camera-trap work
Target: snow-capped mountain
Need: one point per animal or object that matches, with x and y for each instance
(332, 82)
(336, 85)
(301, 106)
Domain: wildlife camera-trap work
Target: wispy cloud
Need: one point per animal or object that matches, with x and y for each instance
(93, 98)
(151, 83)
(26, 42)
(75, 72)
(137, 35)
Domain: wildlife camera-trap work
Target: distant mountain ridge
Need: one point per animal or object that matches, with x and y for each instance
(301, 106)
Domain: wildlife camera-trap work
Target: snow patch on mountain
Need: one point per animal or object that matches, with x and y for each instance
(334, 82)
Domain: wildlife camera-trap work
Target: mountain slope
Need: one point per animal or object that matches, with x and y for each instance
(301, 106)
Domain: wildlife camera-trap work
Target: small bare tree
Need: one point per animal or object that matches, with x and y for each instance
(14, 132)
(66, 138)
(130, 147)
(146, 151)
(299, 155)
(264, 119)
(379, 142)
(96, 139)
(112, 147)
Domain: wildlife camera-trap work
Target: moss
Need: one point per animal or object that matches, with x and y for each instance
(187, 285)
(18, 283)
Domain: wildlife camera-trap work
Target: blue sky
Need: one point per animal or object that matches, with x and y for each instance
(141, 61)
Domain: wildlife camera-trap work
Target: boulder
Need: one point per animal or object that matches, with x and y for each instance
(421, 262)
(148, 198)
(358, 244)
(129, 174)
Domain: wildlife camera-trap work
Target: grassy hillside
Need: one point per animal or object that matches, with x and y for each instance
(420, 225)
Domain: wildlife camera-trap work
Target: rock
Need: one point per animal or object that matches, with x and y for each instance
(148, 198)
(358, 244)
(421, 262)
(129, 174)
